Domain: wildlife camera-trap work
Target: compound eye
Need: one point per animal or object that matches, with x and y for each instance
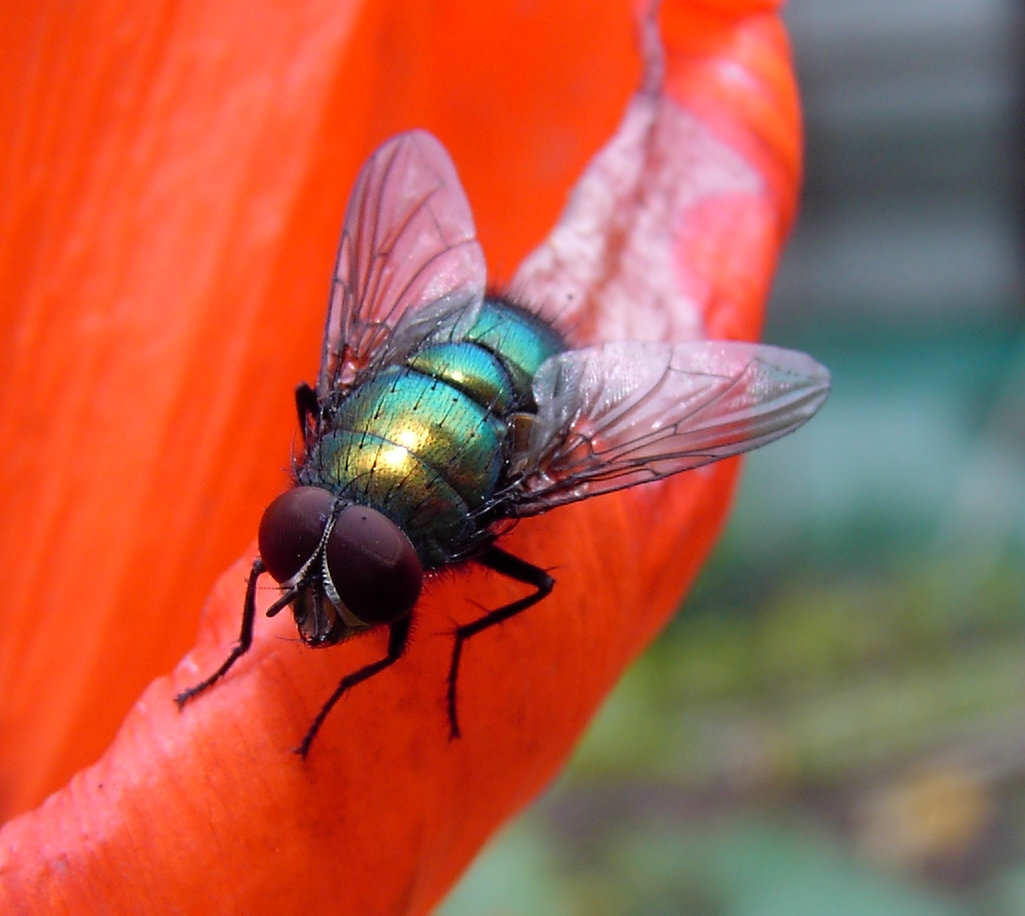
(291, 529)
(373, 566)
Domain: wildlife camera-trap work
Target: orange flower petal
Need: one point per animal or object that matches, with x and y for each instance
(386, 811)
(174, 191)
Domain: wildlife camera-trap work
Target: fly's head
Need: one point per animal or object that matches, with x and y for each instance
(344, 567)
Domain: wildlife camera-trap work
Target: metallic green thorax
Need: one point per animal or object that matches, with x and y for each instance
(424, 442)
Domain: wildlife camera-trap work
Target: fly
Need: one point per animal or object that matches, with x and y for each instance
(440, 411)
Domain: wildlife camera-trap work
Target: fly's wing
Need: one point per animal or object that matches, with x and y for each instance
(408, 241)
(621, 414)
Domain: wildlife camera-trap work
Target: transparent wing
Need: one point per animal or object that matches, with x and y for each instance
(621, 414)
(408, 241)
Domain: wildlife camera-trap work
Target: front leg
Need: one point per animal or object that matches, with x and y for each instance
(245, 638)
(398, 637)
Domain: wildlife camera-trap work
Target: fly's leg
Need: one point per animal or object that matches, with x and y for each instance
(245, 638)
(398, 638)
(505, 563)
(306, 407)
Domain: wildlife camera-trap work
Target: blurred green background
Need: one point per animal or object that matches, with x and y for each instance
(835, 722)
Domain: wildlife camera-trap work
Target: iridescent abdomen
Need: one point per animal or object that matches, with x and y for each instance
(424, 442)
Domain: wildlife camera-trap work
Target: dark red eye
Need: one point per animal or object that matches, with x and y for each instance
(373, 566)
(291, 529)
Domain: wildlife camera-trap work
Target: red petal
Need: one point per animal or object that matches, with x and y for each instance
(124, 362)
